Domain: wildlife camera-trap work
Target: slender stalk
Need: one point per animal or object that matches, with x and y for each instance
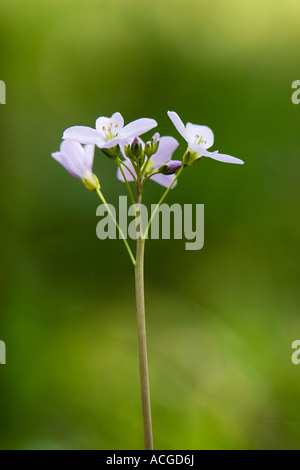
(161, 201)
(118, 227)
(142, 340)
(128, 169)
(119, 163)
(149, 177)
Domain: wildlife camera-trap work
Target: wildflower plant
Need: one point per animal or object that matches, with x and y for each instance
(137, 162)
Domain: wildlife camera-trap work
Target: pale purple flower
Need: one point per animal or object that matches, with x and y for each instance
(109, 132)
(163, 155)
(199, 139)
(78, 161)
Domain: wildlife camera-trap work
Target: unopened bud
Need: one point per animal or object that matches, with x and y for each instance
(134, 151)
(151, 147)
(148, 149)
(149, 168)
(170, 167)
(137, 150)
(155, 146)
(128, 152)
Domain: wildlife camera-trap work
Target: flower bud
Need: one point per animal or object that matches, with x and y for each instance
(134, 151)
(137, 150)
(149, 168)
(155, 146)
(135, 142)
(151, 147)
(170, 167)
(128, 152)
(148, 149)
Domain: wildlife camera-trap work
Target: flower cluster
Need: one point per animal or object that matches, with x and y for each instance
(137, 161)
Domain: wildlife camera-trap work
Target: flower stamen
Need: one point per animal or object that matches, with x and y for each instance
(110, 131)
(199, 140)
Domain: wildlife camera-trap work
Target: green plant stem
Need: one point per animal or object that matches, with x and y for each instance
(142, 340)
(118, 227)
(149, 177)
(160, 202)
(119, 163)
(128, 169)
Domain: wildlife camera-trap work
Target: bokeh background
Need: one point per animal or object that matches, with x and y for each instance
(221, 321)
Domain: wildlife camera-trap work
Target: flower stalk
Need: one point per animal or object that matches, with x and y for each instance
(142, 338)
(117, 225)
(161, 201)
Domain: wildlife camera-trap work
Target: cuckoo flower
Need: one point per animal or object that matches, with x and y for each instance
(199, 139)
(109, 132)
(159, 164)
(78, 161)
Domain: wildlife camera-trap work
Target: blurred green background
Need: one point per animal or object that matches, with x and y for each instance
(221, 320)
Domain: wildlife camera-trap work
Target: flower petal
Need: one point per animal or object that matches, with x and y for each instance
(102, 122)
(178, 123)
(63, 160)
(75, 155)
(137, 128)
(156, 137)
(224, 158)
(82, 134)
(195, 133)
(201, 150)
(164, 180)
(89, 153)
(74, 150)
(68, 164)
(72, 157)
(166, 148)
(133, 129)
(118, 119)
